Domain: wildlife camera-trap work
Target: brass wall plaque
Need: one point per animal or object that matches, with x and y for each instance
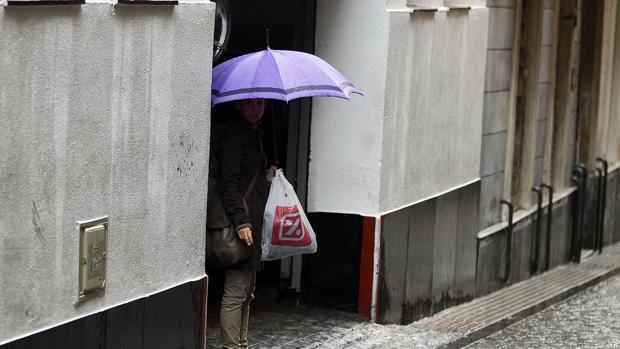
(93, 255)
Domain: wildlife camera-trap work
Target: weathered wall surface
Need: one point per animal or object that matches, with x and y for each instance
(433, 110)
(429, 256)
(417, 130)
(104, 111)
(492, 249)
(346, 136)
(496, 109)
(546, 91)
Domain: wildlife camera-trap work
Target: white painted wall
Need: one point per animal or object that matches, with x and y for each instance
(104, 110)
(417, 131)
(433, 105)
(346, 136)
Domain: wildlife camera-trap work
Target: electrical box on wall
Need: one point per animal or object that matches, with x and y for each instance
(93, 255)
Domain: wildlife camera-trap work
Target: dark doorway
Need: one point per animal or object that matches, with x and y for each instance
(286, 126)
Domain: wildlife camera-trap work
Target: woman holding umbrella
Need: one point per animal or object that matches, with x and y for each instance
(249, 80)
(243, 167)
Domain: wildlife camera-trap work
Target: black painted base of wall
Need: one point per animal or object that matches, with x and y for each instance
(428, 256)
(611, 231)
(492, 250)
(170, 319)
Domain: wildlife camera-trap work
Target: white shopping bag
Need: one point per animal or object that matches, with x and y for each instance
(286, 230)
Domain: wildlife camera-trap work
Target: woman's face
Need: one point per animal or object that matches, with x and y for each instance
(252, 109)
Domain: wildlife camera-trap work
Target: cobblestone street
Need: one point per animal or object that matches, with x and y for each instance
(590, 319)
(289, 326)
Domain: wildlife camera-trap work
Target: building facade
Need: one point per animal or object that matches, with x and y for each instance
(103, 110)
(453, 176)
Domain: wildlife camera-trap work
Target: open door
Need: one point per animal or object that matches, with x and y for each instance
(286, 126)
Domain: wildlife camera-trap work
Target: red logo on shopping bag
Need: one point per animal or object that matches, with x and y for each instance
(288, 228)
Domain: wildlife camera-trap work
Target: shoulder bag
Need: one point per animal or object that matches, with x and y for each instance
(224, 248)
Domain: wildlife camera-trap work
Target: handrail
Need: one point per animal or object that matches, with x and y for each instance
(549, 222)
(576, 178)
(599, 194)
(580, 176)
(601, 232)
(508, 240)
(535, 245)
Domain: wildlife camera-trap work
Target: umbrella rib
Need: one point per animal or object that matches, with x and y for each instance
(338, 86)
(306, 87)
(268, 56)
(242, 60)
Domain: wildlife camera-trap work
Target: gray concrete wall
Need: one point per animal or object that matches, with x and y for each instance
(496, 109)
(104, 111)
(429, 256)
(497, 101)
(416, 132)
(433, 104)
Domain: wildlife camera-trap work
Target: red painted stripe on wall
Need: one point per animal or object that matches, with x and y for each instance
(364, 300)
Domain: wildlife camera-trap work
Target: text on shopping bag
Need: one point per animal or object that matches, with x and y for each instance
(289, 229)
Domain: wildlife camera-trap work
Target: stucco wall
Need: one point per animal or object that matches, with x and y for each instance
(104, 110)
(346, 136)
(433, 110)
(417, 130)
(496, 108)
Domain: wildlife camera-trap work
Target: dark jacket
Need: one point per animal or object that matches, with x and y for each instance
(241, 156)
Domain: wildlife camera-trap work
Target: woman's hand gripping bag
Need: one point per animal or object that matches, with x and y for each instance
(286, 230)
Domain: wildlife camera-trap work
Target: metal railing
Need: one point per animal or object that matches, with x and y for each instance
(535, 245)
(549, 223)
(580, 177)
(601, 203)
(507, 261)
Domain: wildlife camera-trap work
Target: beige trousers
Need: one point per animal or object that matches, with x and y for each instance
(235, 310)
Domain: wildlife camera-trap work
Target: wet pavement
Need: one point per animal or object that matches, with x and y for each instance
(590, 319)
(290, 326)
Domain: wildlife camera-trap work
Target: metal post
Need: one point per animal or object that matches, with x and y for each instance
(549, 222)
(536, 236)
(576, 178)
(599, 202)
(508, 240)
(274, 134)
(583, 185)
(604, 202)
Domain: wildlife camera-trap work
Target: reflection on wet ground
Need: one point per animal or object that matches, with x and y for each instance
(288, 326)
(590, 319)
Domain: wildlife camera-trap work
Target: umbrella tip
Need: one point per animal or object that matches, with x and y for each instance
(267, 37)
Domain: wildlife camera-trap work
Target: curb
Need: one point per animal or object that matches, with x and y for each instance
(526, 312)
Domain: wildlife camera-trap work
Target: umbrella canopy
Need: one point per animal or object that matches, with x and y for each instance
(277, 74)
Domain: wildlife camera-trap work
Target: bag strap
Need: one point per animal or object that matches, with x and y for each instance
(251, 185)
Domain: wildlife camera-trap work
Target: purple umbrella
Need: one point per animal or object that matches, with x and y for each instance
(277, 74)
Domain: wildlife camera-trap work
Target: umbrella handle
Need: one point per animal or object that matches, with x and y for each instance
(274, 138)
